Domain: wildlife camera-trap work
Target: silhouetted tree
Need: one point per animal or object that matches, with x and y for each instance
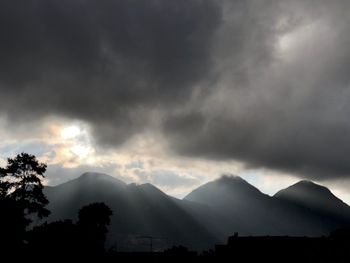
(93, 222)
(21, 182)
(21, 195)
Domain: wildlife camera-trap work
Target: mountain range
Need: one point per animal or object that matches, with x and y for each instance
(146, 218)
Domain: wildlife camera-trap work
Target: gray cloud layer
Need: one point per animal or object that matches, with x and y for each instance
(285, 111)
(215, 74)
(106, 62)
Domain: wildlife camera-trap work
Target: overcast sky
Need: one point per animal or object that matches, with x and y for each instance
(178, 92)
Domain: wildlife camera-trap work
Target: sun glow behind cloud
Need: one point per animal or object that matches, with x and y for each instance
(75, 145)
(68, 145)
(71, 132)
(305, 38)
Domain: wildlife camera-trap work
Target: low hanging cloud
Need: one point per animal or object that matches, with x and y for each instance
(262, 82)
(167, 179)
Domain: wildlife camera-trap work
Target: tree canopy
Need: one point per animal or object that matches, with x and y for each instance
(21, 198)
(21, 181)
(93, 222)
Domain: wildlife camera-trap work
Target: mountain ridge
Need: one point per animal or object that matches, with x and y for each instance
(138, 210)
(207, 215)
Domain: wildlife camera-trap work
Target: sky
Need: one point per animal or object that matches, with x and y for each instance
(176, 93)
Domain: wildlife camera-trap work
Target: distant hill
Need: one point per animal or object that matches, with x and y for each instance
(139, 211)
(311, 195)
(302, 209)
(207, 215)
(239, 206)
(316, 202)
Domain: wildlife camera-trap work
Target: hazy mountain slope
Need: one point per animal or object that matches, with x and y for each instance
(66, 198)
(208, 214)
(317, 203)
(242, 208)
(239, 206)
(139, 210)
(314, 196)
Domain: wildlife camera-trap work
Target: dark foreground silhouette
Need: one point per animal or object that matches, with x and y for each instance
(334, 248)
(86, 237)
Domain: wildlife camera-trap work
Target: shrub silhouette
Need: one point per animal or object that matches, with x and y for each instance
(60, 237)
(86, 237)
(93, 222)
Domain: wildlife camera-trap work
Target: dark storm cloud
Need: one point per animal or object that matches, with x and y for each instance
(264, 82)
(287, 111)
(105, 62)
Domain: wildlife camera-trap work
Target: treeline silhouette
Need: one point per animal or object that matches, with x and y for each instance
(22, 202)
(87, 236)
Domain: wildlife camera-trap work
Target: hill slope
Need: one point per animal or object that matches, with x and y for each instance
(317, 203)
(207, 215)
(303, 209)
(138, 211)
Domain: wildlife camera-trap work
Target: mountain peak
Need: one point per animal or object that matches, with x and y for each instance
(226, 188)
(306, 182)
(236, 183)
(309, 194)
(230, 178)
(310, 184)
(91, 177)
(304, 188)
